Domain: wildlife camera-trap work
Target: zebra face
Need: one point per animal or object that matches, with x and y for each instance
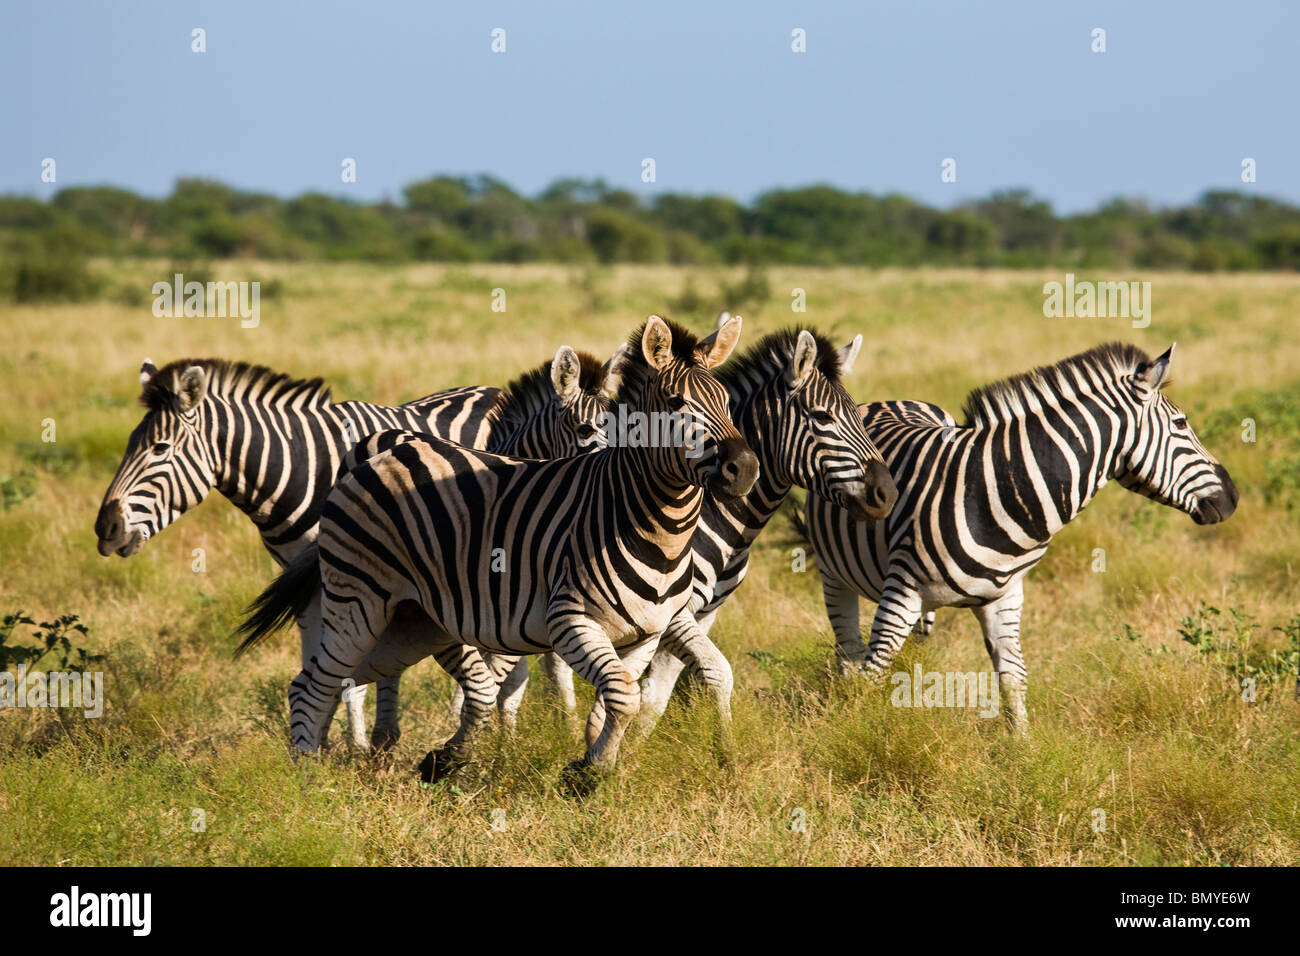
(709, 450)
(1168, 463)
(821, 443)
(578, 412)
(166, 468)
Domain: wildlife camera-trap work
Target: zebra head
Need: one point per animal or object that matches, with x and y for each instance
(555, 410)
(1166, 461)
(167, 466)
(670, 381)
(796, 411)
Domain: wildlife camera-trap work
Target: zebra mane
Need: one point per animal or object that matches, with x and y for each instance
(771, 355)
(531, 391)
(1002, 401)
(636, 370)
(222, 375)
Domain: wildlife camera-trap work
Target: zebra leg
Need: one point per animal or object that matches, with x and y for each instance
(479, 685)
(513, 684)
(923, 628)
(634, 661)
(387, 729)
(661, 678)
(1000, 622)
(559, 676)
(842, 609)
(347, 634)
(657, 687)
(586, 648)
(899, 609)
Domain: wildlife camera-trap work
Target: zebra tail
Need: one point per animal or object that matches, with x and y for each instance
(284, 600)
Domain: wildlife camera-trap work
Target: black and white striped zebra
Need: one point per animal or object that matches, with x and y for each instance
(979, 503)
(588, 556)
(788, 401)
(273, 445)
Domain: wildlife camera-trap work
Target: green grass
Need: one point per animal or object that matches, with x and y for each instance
(1136, 706)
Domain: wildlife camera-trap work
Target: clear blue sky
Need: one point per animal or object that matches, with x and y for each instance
(711, 90)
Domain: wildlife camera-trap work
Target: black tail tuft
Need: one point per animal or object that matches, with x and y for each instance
(284, 600)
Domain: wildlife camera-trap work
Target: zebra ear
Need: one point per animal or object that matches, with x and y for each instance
(723, 319)
(849, 354)
(804, 360)
(613, 377)
(1152, 376)
(193, 386)
(715, 348)
(147, 369)
(657, 342)
(565, 371)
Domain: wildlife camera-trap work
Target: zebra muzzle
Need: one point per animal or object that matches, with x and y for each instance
(112, 530)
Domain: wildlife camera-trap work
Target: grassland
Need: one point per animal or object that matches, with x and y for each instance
(1128, 715)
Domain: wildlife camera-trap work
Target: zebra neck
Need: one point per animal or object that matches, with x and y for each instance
(276, 465)
(1053, 463)
(735, 524)
(660, 509)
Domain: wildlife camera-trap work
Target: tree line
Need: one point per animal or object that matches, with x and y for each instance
(482, 219)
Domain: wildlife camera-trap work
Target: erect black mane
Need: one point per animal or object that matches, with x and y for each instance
(157, 393)
(534, 388)
(1001, 400)
(772, 354)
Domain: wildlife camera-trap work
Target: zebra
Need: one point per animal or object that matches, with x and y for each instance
(980, 502)
(273, 445)
(788, 401)
(594, 551)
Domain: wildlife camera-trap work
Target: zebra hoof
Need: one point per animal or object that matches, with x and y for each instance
(384, 739)
(579, 780)
(438, 765)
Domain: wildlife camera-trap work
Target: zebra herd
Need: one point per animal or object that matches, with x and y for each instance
(481, 525)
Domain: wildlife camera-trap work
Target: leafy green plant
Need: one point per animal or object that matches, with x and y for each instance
(52, 637)
(1228, 640)
(15, 489)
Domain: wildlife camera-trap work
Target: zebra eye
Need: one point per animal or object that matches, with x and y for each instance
(161, 448)
(676, 403)
(1180, 422)
(823, 417)
(585, 430)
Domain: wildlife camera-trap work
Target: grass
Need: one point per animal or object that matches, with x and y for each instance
(1136, 705)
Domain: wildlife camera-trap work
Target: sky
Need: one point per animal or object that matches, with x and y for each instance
(711, 91)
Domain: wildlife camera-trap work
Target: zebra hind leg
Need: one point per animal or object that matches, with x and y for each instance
(346, 636)
(559, 678)
(923, 627)
(479, 685)
(387, 729)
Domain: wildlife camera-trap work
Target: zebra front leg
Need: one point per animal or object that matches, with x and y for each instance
(657, 687)
(1000, 622)
(586, 648)
(634, 661)
(842, 609)
(479, 686)
(659, 681)
(899, 609)
(387, 728)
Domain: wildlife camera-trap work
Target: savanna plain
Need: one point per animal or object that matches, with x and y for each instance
(1146, 636)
